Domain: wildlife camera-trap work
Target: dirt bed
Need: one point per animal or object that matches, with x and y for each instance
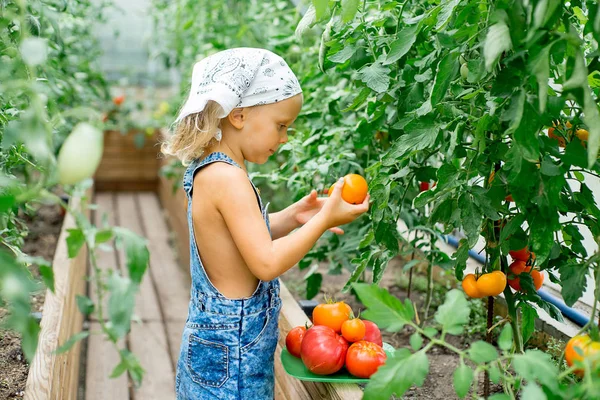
(44, 228)
(442, 362)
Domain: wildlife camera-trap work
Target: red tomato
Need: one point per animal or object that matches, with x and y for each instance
(119, 100)
(518, 267)
(323, 351)
(353, 330)
(372, 333)
(423, 186)
(332, 315)
(293, 340)
(364, 358)
(521, 255)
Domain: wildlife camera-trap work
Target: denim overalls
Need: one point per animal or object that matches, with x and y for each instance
(228, 345)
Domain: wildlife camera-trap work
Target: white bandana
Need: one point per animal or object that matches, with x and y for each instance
(241, 77)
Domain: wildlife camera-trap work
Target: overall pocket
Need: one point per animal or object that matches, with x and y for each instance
(207, 361)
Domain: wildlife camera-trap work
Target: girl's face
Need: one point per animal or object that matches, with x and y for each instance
(265, 128)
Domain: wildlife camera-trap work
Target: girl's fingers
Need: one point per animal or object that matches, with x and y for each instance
(336, 230)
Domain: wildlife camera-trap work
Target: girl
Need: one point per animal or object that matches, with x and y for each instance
(241, 103)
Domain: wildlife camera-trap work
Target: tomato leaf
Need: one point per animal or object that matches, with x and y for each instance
(462, 380)
(85, 304)
(497, 41)
(75, 241)
(405, 39)
(505, 340)
(445, 13)
(447, 70)
(375, 76)
(387, 311)
(397, 375)
(533, 391)
(120, 304)
(453, 315)
(535, 365)
(573, 281)
(482, 352)
(529, 315)
(136, 252)
(320, 8)
(349, 9)
(71, 342)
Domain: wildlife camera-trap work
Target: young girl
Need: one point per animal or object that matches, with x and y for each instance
(241, 103)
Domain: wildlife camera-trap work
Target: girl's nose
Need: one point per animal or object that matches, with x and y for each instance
(284, 138)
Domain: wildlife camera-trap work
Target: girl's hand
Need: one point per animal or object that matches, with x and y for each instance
(339, 212)
(308, 206)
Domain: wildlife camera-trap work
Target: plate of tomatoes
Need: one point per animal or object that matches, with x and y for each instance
(336, 348)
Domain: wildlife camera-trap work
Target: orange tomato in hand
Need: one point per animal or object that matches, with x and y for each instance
(332, 315)
(119, 100)
(355, 189)
(518, 267)
(354, 330)
(579, 348)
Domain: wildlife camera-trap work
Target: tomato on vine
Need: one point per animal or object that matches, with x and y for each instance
(520, 267)
(490, 284)
(582, 347)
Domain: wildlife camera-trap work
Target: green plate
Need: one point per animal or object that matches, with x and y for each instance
(295, 367)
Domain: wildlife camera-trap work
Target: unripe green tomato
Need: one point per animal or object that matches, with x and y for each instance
(80, 154)
(462, 60)
(464, 71)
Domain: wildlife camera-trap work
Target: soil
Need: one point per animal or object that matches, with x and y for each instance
(442, 362)
(44, 227)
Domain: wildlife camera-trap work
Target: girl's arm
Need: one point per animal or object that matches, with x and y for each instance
(267, 258)
(283, 222)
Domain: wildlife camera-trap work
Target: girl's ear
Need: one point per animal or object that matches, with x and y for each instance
(237, 117)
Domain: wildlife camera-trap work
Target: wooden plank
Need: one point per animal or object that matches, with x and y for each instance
(171, 283)
(137, 185)
(174, 332)
(175, 205)
(292, 316)
(146, 303)
(53, 376)
(149, 343)
(102, 358)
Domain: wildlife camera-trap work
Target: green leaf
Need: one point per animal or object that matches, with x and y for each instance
(497, 41)
(422, 134)
(573, 280)
(71, 341)
(397, 375)
(416, 341)
(505, 340)
(30, 331)
(453, 315)
(75, 241)
(463, 378)
(313, 281)
(129, 362)
(320, 8)
(512, 226)
(471, 218)
(384, 309)
(349, 9)
(120, 304)
(307, 21)
(535, 365)
(343, 55)
(47, 274)
(540, 67)
(533, 391)
(6, 202)
(363, 261)
(85, 304)
(445, 13)
(447, 70)
(461, 256)
(529, 315)
(103, 236)
(34, 51)
(399, 47)
(482, 352)
(136, 252)
(375, 76)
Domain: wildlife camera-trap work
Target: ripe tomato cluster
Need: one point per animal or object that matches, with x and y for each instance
(522, 265)
(566, 130)
(337, 340)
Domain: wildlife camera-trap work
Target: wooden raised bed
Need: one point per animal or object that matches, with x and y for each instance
(53, 376)
(125, 166)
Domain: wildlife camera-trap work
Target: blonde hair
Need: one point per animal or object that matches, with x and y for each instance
(193, 134)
